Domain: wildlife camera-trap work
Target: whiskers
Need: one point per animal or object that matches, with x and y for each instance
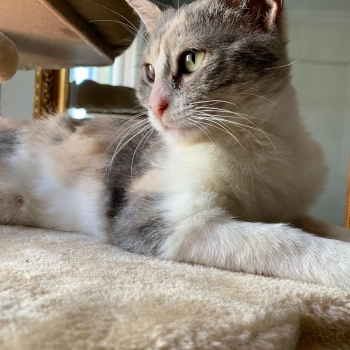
(129, 26)
(207, 114)
(202, 127)
(126, 135)
(289, 64)
(148, 134)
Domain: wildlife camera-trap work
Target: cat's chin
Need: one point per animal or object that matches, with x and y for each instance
(186, 134)
(179, 132)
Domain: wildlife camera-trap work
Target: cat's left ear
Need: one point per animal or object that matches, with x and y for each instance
(149, 11)
(262, 13)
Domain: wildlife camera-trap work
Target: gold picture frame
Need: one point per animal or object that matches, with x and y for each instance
(51, 92)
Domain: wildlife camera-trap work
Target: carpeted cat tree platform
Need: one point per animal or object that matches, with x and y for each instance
(68, 291)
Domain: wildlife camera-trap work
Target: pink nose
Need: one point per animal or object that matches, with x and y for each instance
(158, 107)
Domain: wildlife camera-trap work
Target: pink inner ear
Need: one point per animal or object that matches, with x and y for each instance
(279, 4)
(264, 12)
(258, 7)
(265, 6)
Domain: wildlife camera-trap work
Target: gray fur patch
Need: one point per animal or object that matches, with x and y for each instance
(57, 139)
(139, 227)
(133, 158)
(8, 142)
(73, 124)
(137, 224)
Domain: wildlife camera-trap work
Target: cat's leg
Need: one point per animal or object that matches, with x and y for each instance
(211, 238)
(321, 228)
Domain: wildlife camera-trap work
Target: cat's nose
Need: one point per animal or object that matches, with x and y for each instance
(159, 100)
(158, 107)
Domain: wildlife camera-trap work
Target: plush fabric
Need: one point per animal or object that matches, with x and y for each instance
(8, 58)
(69, 291)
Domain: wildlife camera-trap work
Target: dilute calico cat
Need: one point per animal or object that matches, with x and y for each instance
(223, 173)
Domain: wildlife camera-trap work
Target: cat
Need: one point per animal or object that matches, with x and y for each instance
(222, 174)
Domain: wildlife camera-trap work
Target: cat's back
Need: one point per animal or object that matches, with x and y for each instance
(78, 145)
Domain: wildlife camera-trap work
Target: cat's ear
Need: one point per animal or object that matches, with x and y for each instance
(149, 11)
(262, 13)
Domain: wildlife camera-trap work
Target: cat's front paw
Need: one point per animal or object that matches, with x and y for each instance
(338, 266)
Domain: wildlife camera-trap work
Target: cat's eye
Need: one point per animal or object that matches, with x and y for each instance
(193, 59)
(151, 73)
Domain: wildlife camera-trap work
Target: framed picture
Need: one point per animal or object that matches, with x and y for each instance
(51, 92)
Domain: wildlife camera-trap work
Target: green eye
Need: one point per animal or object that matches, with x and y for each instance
(192, 60)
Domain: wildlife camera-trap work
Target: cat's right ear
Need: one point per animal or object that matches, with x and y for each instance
(261, 13)
(149, 11)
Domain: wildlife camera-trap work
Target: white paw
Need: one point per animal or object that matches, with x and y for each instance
(339, 265)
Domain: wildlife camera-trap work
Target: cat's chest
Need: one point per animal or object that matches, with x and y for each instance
(196, 168)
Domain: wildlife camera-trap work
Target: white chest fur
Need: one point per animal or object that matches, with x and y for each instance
(257, 184)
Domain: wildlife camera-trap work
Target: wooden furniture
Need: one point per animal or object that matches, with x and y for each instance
(59, 34)
(55, 34)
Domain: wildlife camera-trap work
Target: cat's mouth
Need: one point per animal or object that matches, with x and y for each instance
(174, 130)
(178, 130)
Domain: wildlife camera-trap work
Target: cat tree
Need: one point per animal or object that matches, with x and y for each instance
(9, 58)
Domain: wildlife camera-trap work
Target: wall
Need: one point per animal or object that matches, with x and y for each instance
(321, 75)
(346, 143)
(17, 96)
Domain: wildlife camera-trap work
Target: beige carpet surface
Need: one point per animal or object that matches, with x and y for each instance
(68, 291)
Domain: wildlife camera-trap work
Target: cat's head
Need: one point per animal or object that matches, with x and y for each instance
(205, 53)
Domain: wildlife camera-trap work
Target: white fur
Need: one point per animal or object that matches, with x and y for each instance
(221, 165)
(48, 202)
(199, 179)
(269, 249)
(206, 234)
(161, 62)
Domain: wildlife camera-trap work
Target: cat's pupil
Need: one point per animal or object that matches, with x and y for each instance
(192, 57)
(192, 60)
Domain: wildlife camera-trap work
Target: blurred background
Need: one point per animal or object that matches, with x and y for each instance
(319, 48)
